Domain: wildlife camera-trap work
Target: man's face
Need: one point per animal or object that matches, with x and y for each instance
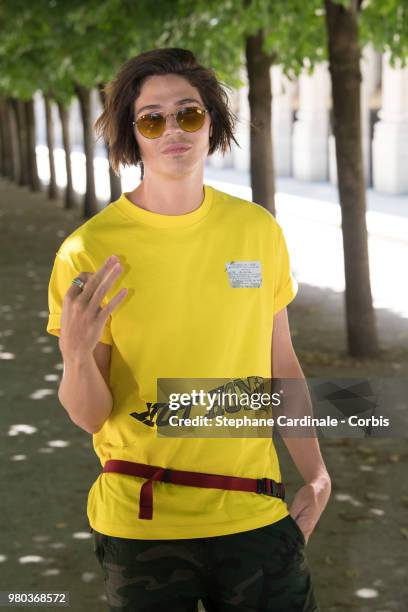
(167, 94)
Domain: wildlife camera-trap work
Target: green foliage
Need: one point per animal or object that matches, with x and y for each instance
(51, 44)
(384, 23)
(294, 32)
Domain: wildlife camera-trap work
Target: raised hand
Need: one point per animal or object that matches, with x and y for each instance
(82, 318)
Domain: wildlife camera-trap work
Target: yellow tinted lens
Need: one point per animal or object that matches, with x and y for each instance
(191, 119)
(151, 126)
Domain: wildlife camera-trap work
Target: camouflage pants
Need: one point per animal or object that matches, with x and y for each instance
(260, 569)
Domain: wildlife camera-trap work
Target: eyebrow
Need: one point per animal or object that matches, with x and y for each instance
(182, 101)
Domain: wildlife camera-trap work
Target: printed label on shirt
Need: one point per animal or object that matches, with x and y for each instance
(244, 273)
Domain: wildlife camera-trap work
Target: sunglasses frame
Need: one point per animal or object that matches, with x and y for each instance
(203, 110)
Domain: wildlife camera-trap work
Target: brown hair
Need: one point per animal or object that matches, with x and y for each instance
(115, 123)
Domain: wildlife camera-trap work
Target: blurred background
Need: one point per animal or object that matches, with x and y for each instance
(320, 91)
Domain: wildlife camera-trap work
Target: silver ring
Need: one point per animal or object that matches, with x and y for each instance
(79, 282)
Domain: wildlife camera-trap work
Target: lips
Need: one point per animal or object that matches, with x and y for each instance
(177, 148)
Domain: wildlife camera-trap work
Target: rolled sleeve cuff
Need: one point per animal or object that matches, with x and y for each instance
(54, 328)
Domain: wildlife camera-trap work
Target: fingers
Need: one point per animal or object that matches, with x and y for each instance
(96, 287)
(107, 310)
(104, 285)
(96, 278)
(75, 290)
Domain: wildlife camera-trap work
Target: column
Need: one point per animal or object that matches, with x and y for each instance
(241, 155)
(310, 132)
(390, 141)
(283, 90)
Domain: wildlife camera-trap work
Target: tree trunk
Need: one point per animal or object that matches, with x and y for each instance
(84, 97)
(52, 186)
(33, 179)
(3, 154)
(69, 197)
(344, 57)
(5, 140)
(21, 123)
(14, 145)
(258, 65)
(114, 180)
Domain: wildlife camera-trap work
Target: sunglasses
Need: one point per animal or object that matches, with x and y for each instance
(152, 125)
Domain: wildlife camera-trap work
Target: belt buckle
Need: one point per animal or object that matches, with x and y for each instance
(166, 475)
(271, 490)
(262, 487)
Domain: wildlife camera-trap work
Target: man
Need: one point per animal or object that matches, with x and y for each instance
(197, 288)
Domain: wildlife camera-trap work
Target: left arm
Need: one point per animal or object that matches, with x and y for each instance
(311, 499)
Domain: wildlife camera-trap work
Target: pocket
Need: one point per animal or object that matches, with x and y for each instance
(298, 529)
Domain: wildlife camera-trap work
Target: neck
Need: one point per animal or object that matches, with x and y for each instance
(169, 195)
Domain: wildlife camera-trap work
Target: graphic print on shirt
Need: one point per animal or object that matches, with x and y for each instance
(158, 414)
(149, 416)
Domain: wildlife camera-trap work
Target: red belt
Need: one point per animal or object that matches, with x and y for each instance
(264, 486)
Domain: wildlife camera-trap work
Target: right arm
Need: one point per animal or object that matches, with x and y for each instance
(84, 390)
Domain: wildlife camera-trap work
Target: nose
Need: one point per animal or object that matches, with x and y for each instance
(171, 124)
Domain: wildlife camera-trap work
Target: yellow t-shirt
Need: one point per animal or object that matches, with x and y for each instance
(185, 316)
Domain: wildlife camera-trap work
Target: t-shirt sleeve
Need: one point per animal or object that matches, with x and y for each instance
(286, 286)
(62, 275)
